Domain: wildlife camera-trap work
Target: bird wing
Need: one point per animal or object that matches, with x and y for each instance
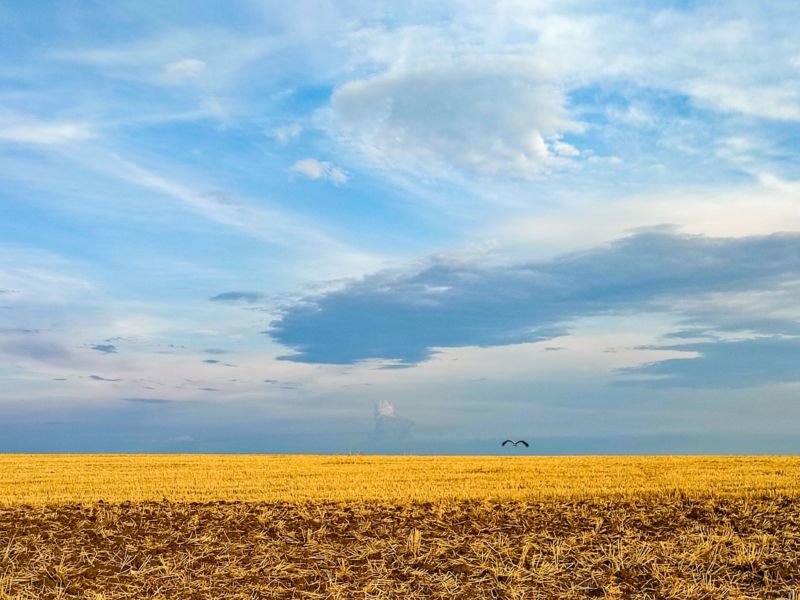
(523, 442)
(507, 442)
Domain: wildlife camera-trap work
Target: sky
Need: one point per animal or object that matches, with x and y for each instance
(400, 227)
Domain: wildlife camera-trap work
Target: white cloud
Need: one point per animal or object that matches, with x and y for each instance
(216, 109)
(772, 102)
(564, 149)
(487, 114)
(285, 134)
(261, 221)
(760, 208)
(384, 408)
(484, 91)
(171, 57)
(318, 169)
(45, 133)
(634, 115)
(183, 69)
(41, 277)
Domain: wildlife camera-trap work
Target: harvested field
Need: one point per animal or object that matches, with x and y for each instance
(37, 479)
(615, 549)
(679, 542)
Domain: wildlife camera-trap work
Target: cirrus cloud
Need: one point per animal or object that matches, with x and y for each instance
(45, 133)
(183, 69)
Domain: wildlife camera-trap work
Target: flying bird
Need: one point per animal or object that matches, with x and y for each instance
(523, 442)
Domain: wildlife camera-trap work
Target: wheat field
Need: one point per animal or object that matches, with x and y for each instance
(45, 479)
(104, 527)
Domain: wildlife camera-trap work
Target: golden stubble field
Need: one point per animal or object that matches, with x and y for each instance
(188, 526)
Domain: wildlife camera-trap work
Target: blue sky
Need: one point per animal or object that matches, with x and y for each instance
(361, 227)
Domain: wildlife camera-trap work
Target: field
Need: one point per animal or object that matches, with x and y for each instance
(398, 527)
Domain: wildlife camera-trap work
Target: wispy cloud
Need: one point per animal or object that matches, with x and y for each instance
(40, 350)
(176, 54)
(183, 69)
(256, 219)
(286, 133)
(319, 169)
(33, 132)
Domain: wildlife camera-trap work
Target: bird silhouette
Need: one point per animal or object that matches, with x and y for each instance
(523, 442)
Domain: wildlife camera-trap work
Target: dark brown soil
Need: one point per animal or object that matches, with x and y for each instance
(671, 548)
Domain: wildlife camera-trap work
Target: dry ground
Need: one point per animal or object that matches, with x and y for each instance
(637, 543)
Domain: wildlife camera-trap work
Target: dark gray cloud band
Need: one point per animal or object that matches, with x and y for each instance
(148, 401)
(403, 316)
(722, 364)
(105, 348)
(247, 297)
